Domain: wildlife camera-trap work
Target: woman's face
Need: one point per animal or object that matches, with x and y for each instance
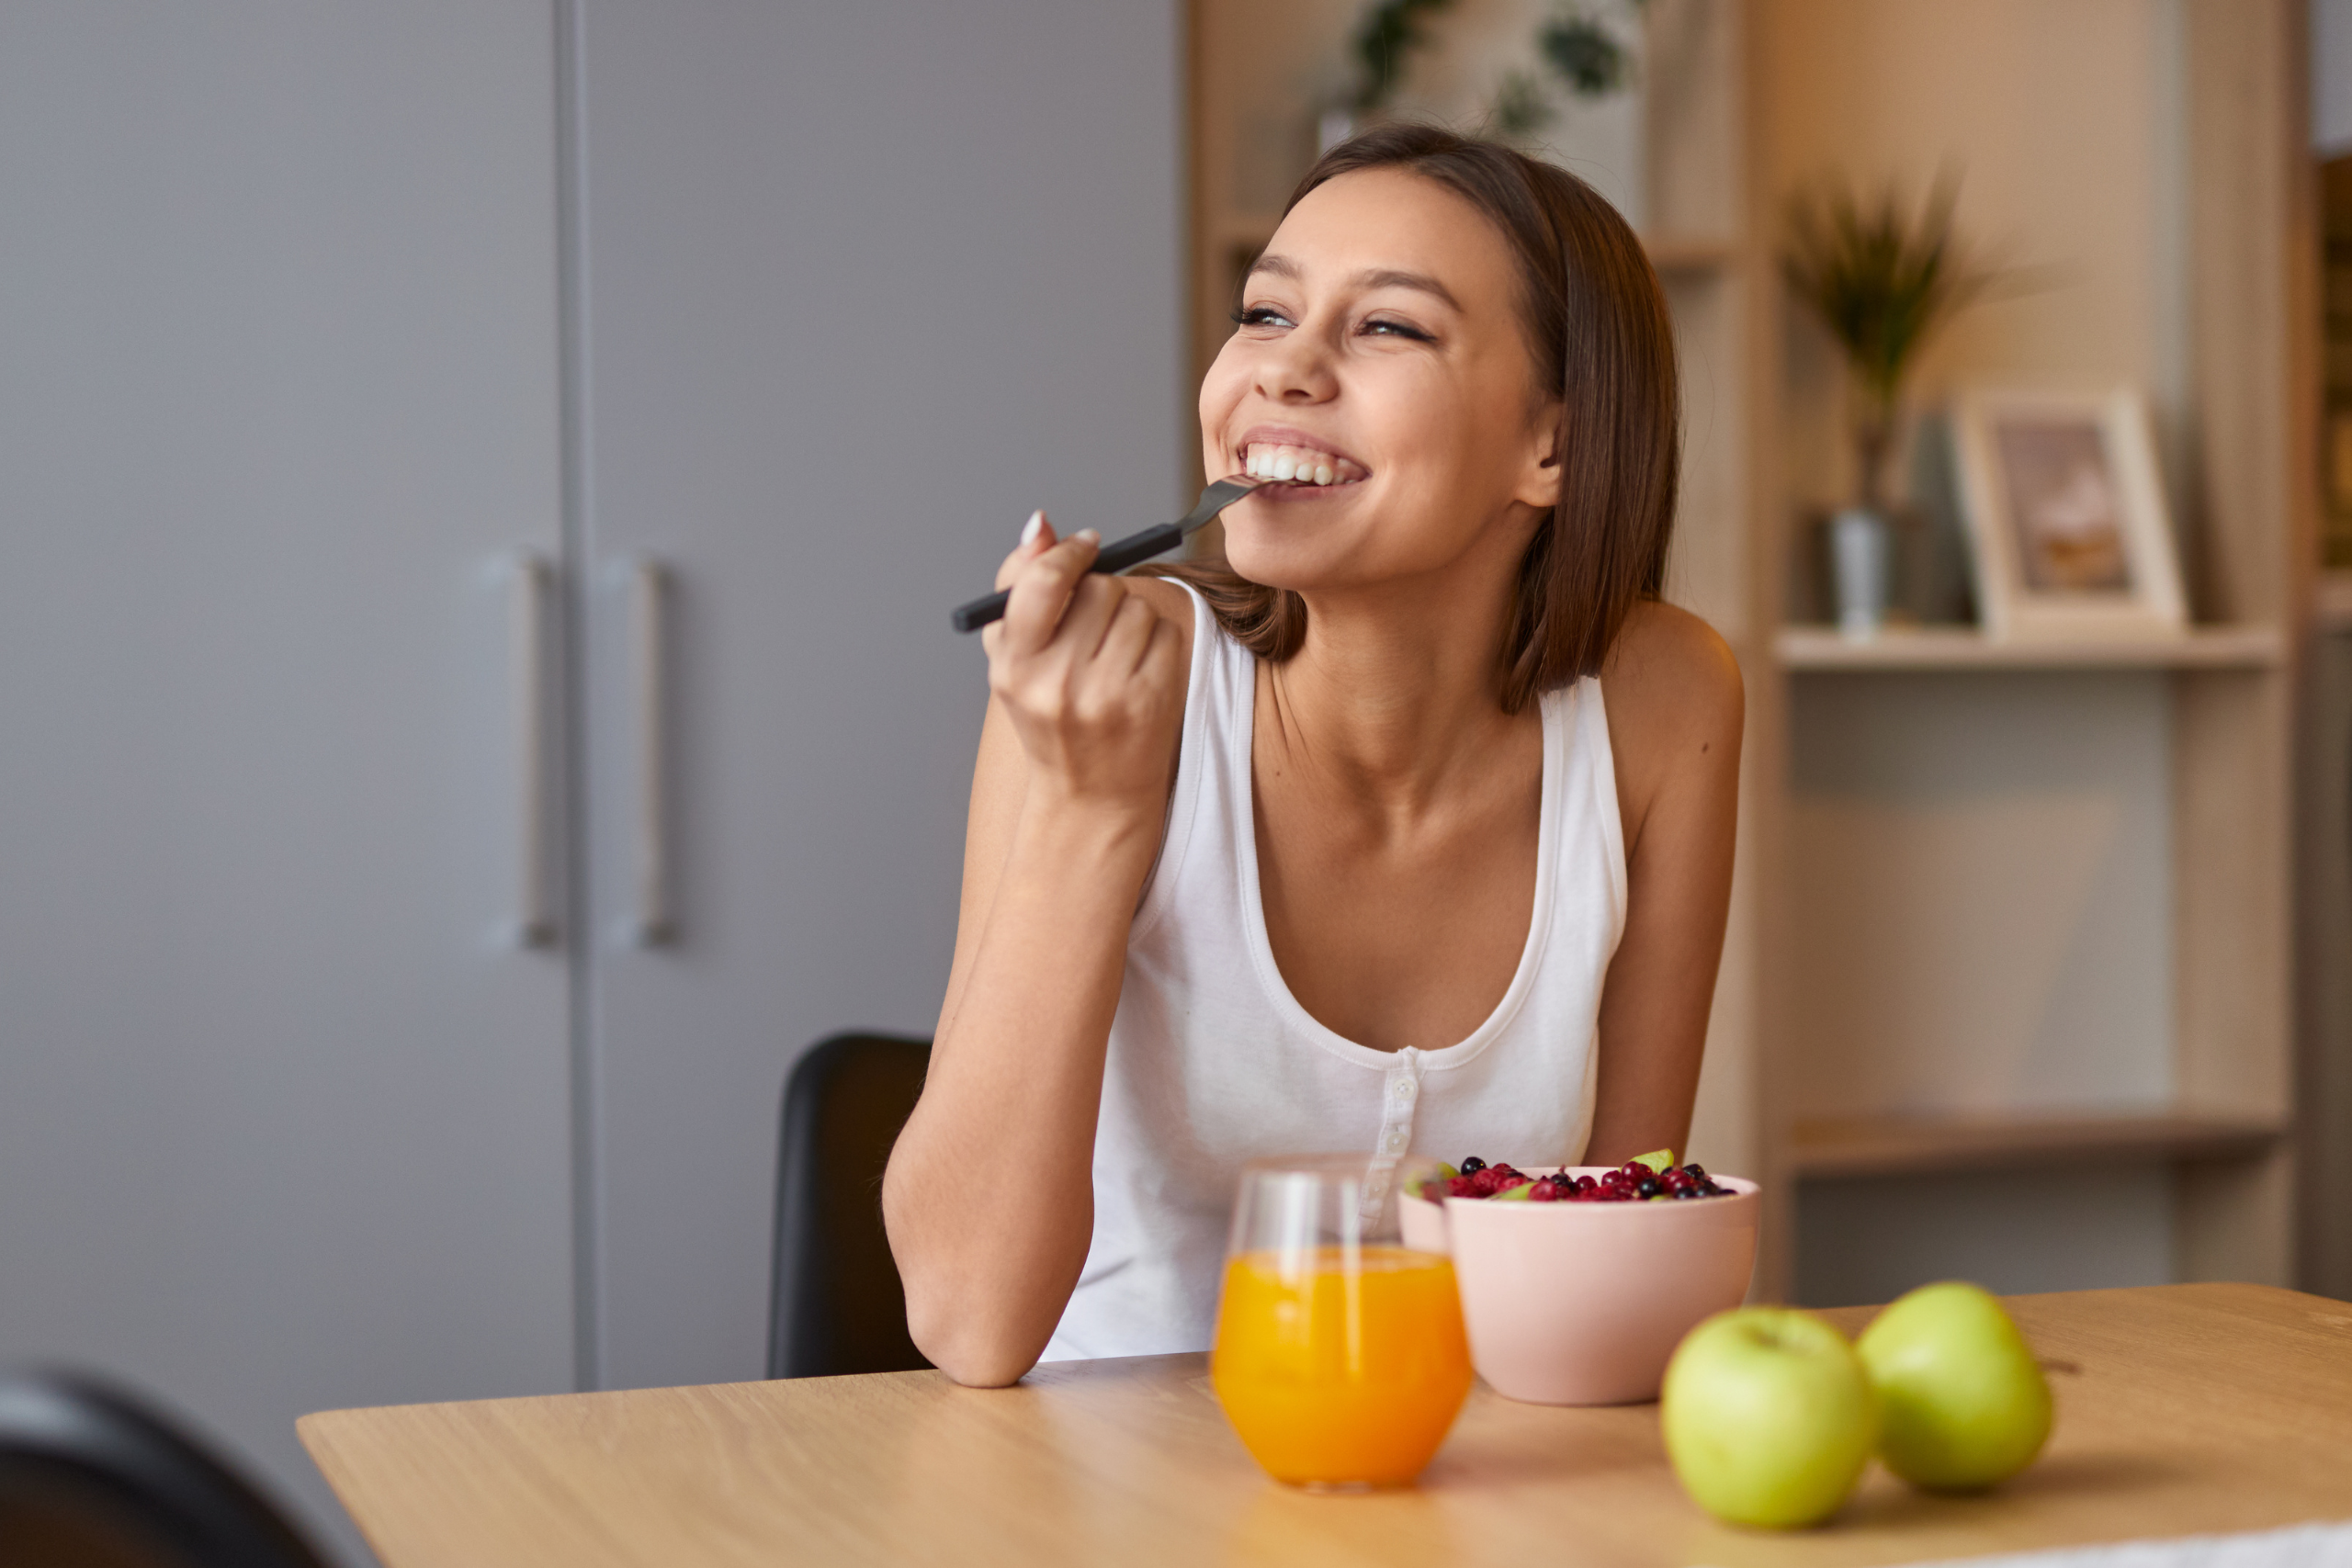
(1381, 377)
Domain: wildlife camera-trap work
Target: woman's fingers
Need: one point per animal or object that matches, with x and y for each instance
(1162, 661)
(1043, 590)
(1127, 635)
(1037, 536)
(1094, 601)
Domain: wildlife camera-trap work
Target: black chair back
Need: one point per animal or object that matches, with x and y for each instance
(91, 1478)
(838, 1305)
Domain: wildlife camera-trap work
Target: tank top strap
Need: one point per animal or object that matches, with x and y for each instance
(1587, 774)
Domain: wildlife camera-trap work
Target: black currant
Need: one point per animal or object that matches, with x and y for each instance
(1472, 1165)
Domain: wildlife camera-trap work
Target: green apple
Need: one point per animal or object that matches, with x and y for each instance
(1768, 1416)
(1962, 1403)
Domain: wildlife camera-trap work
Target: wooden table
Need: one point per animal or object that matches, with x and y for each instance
(2181, 1409)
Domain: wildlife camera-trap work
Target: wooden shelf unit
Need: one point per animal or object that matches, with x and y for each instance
(2227, 703)
(1911, 1145)
(1965, 648)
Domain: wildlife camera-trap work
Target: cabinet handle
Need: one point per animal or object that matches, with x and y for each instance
(530, 591)
(653, 924)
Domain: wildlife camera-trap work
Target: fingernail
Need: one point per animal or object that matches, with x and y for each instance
(1029, 529)
(1089, 535)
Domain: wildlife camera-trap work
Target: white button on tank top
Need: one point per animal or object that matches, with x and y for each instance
(1213, 1062)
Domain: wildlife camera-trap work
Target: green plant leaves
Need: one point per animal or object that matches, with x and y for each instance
(1879, 281)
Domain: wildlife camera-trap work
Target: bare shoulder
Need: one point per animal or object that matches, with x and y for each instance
(1675, 699)
(1672, 666)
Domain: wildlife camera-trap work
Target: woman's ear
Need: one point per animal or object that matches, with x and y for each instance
(1539, 486)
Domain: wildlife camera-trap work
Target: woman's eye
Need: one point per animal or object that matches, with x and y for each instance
(1385, 327)
(1260, 316)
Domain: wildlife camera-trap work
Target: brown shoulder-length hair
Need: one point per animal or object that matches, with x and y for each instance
(1604, 346)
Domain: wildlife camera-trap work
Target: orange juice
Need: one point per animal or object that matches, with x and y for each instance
(1334, 1377)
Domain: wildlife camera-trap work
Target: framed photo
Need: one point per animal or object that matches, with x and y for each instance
(2066, 514)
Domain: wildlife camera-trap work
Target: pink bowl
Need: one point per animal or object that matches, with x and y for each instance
(1581, 1304)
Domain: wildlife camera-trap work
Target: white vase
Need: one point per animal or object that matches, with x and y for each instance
(1859, 560)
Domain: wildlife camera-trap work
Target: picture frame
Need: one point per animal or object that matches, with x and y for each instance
(2065, 512)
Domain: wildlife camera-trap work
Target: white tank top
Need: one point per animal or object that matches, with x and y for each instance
(1213, 1062)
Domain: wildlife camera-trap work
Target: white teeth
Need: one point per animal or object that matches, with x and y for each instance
(1296, 464)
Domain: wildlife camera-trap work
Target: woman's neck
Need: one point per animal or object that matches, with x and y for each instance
(1394, 697)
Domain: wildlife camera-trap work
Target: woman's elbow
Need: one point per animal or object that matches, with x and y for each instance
(974, 1353)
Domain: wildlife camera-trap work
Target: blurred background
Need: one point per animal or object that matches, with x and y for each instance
(486, 479)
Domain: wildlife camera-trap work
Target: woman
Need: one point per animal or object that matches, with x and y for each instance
(1337, 846)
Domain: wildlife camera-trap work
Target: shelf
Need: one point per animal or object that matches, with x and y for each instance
(1900, 1145)
(1965, 648)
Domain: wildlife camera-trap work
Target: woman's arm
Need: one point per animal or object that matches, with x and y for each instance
(1675, 707)
(989, 1199)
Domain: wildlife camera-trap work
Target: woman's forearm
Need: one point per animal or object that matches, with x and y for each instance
(989, 1196)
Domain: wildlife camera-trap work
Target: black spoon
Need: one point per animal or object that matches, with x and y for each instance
(1132, 550)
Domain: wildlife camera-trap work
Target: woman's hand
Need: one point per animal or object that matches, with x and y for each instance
(1090, 676)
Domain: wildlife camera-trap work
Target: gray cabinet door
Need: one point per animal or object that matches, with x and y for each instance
(282, 1126)
(862, 284)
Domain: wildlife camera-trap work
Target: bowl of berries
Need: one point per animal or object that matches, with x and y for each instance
(1578, 1282)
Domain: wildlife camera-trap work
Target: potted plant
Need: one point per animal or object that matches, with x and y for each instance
(1883, 282)
(1583, 50)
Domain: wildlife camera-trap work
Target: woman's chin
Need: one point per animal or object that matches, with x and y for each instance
(1299, 564)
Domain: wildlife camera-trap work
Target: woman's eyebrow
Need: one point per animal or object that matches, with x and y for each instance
(1386, 277)
(1378, 277)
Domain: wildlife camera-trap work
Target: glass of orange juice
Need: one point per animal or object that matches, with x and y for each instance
(1339, 1354)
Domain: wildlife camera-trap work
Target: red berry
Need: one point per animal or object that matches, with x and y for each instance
(1482, 1183)
(1509, 1179)
(1544, 1191)
(1460, 1186)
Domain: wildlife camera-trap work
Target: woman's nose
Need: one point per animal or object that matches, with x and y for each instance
(1297, 369)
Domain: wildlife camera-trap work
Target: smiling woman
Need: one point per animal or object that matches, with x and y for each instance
(1335, 844)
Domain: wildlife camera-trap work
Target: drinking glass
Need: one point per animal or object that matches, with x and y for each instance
(1339, 1354)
